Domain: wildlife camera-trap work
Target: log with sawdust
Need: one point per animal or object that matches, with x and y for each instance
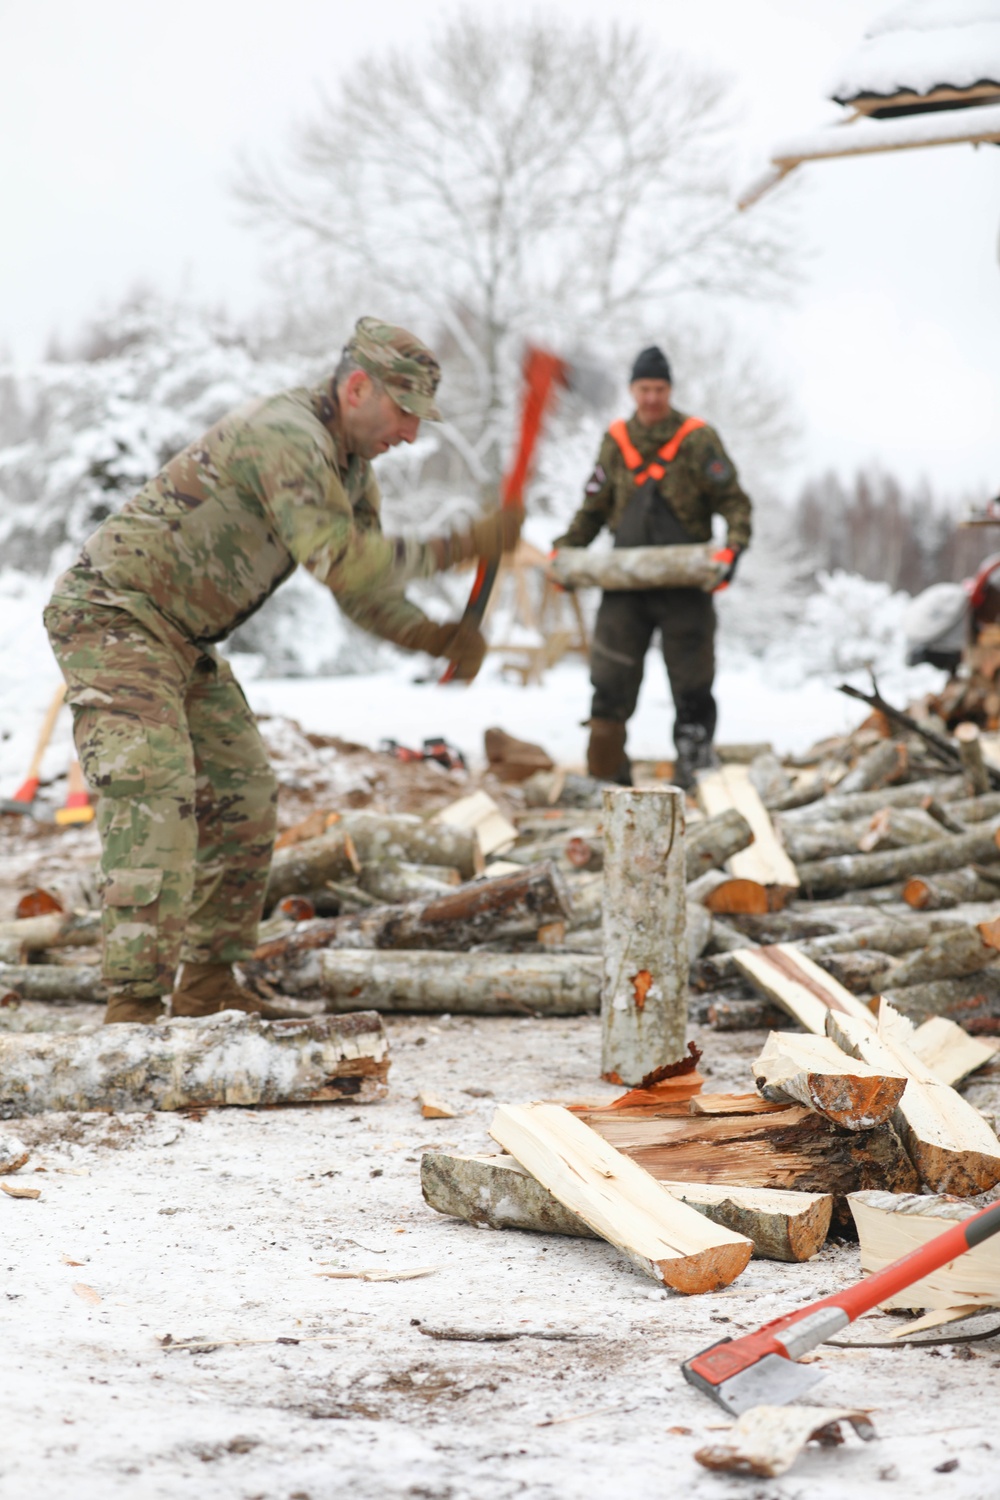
(58, 984)
(714, 840)
(828, 877)
(793, 1149)
(484, 984)
(497, 1192)
(949, 1142)
(941, 892)
(893, 1225)
(646, 962)
(682, 567)
(196, 1063)
(948, 955)
(511, 907)
(812, 1070)
(619, 1201)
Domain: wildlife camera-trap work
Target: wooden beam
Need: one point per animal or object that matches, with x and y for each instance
(664, 1238)
(765, 861)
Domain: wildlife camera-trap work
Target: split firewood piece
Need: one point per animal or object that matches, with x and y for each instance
(434, 1107)
(645, 968)
(58, 984)
(482, 984)
(687, 566)
(724, 893)
(812, 1070)
(783, 973)
(878, 767)
(891, 1225)
(765, 861)
(20, 1190)
(830, 877)
(513, 907)
(766, 1440)
(714, 840)
(196, 1063)
(949, 1142)
(498, 1192)
(404, 836)
(949, 1051)
(667, 1240)
(939, 892)
(733, 1104)
(54, 930)
(479, 815)
(970, 751)
(794, 1149)
(948, 955)
(308, 864)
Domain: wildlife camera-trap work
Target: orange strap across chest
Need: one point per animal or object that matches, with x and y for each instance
(654, 469)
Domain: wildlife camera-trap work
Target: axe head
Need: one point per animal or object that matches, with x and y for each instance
(736, 1383)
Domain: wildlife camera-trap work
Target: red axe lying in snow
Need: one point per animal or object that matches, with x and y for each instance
(761, 1369)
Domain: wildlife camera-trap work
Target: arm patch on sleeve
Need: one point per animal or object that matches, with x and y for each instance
(596, 482)
(718, 470)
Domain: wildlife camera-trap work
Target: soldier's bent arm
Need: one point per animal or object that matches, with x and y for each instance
(720, 484)
(598, 500)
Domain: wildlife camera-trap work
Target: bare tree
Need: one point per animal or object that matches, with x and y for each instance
(518, 178)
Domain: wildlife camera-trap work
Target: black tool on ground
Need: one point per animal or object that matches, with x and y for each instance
(436, 748)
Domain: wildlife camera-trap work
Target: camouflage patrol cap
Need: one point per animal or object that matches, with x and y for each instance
(397, 359)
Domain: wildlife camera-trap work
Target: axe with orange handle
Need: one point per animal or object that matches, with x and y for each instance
(545, 374)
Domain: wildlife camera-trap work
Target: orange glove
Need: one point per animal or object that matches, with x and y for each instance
(727, 558)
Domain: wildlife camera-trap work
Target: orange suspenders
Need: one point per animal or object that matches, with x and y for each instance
(654, 469)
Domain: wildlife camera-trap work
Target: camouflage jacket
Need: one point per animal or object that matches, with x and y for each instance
(207, 540)
(699, 483)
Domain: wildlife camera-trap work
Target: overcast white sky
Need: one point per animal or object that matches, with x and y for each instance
(121, 119)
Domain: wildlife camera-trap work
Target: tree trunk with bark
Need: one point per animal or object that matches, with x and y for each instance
(644, 986)
(940, 892)
(627, 568)
(714, 840)
(483, 984)
(196, 1063)
(882, 764)
(57, 984)
(830, 876)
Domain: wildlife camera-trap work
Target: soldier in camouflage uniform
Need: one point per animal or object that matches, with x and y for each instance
(186, 797)
(659, 479)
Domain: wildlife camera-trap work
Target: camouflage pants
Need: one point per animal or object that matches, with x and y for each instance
(186, 796)
(624, 628)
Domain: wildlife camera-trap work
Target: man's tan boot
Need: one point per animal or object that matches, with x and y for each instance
(207, 989)
(141, 1012)
(606, 758)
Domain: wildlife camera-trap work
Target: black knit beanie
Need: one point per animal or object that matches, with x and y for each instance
(651, 364)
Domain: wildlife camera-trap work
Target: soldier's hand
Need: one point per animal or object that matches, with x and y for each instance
(564, 588)
(491, 536)
(726, 558)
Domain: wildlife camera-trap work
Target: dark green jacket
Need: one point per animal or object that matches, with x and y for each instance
(699, 483)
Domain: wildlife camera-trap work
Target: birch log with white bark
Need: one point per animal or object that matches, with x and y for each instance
(483, 984)
(644, 985)
(224, 1059)
(879, 766)
(58, 984)
(626, 568)
(57, 929)
(829, 877)
(711, 842)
